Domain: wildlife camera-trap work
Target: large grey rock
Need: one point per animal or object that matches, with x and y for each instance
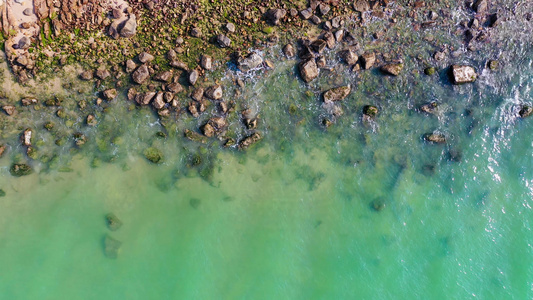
(141, 74)
(145, 57)
(223, 41)
(336, 94)
(463, 74)
(273, 16)
(308, 70)
(129, 28)
(214, 92)
(252, 61)
(206, 62)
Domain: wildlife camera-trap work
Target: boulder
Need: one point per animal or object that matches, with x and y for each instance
(129, 28)
(19, 170)
(323, 9)
(249, 141)
(349, 57)
(288, 50)
(435, 138)
(525, 111)
(130, 66)
(318, 45)
(113, 222)
(392, 69)
(9, 109)
(306, 13)
(208, 130)
(158, 101)
(308, 70)
(273, 16)
(206, 62)
(102, 74)
(110, 94)
(144, 98)
(111, 247)
(26, 137)
(336, 94)
(174, 87)
(368, 60)
(223, 41)
(214, 92)
(141, 74)
(251, 61)
(145, 57)
(154, 155)
(165, 76)
(193, 77)
(463, 74)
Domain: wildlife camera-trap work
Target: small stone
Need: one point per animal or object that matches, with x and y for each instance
(392, 69)
(493, 65)
(145, 57)
(439, 55)
(130, 66)
(206, 62)
(230, 27)
(28, 12)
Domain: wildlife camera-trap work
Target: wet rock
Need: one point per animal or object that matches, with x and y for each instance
(196, 32)
(111, 247)
(392, 69)
(429, 108)
(229, 27)
(306, 53)
(223, 41)
(144, 98)
(2, 193)
(274, 16)
(330, 39)
(154, 155)
(102, 74)
(159, 102)
(308, 70)
(195, 137)
(141, 74)
(368, 60)
(249, 141)
(9, 109)
(110, 94)
(165, 76)
(430, 71)
(306, 13)
(214, 92)
(439, 55)
(336, 94)
(87, 75)
(198, 94)
(463, 74)
(130, 66)
(480, 6)
(251, 61)
(318, 46)
(206, 62)
(193, 109)
(91, 120)
(19, 170)
(132, 93)
(370, 111)
(435, 138)
(493, 65)
(525, 111)
(145, 57)
(321, 62)
(349, 57)
(193, 77)
(288, 50)
(208, 130)
(79, 139)
(26, 137)
(28, 101)
(129, 28)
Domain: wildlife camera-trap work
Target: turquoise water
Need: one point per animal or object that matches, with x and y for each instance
(293, 217)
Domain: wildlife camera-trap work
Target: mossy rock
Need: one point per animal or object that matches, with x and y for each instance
(19, 170)
(113, 222)
(2, 193)
(154, 155)
(430, 71)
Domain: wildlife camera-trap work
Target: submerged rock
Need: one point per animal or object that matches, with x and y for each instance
(113, 222)
(195, 137)
(249, 141)
(308, 70)
(2, 193)
(463, 74)
(435, 138)
(429, 108)
(251, 61)
(392, 69)
(214, 92)
(337, 94)
(154, 155)
(525, 111)
(111, 247)
(370, 111)
(19, 170)
(378, 204)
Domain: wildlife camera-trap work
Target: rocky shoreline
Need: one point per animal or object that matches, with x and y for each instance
(171, 55)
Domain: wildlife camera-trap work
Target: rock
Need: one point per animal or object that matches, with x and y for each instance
(79, 139)
(308, 70)
(361, 5)
(91, 120)
(229, 27)
(435, 138)
(193, 77)
(174, 87)
(378, 204)
(154, 155)
(316, 20)
(26, 137)
(145, 57)
(158, 101)
(330, 39)
(19, 170)
(110, 94)
(102, 74)
(111, 247)
(179, 65)
(129, 28)
(273, 16)
(320, 62)
(206, 62)
(130, 66)
(525, 111)
(336, 94)
(349, 57)
(2, 193)
(2, 150)
(132, 93)
(193, 109)
(371, 111)
(165, 76)
(368, 60)
(9, 109)
(218, 123)
(439, 55)
(196, 32)
(463, 74)
(141, 74)
(392, 69)
(208, 130)
(223, 41)
(323, 9)
(144, 98)
(480, 6)
(27, 12)
(429, 108)
(195, 137)
(198, 94)
(249, 141)
(430, 71)
(251, 61)
(87, 75)
(306, 13)
(306, 53)
(318, 46)
(336, 22)
(493, 65)
(214, 92)
(339, 35)
(28, 101)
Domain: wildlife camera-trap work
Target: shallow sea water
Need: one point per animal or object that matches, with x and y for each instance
(292, 217)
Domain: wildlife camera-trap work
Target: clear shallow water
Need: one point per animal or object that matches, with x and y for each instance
(291, 218)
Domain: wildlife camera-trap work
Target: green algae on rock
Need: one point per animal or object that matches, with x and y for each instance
(154, 155)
